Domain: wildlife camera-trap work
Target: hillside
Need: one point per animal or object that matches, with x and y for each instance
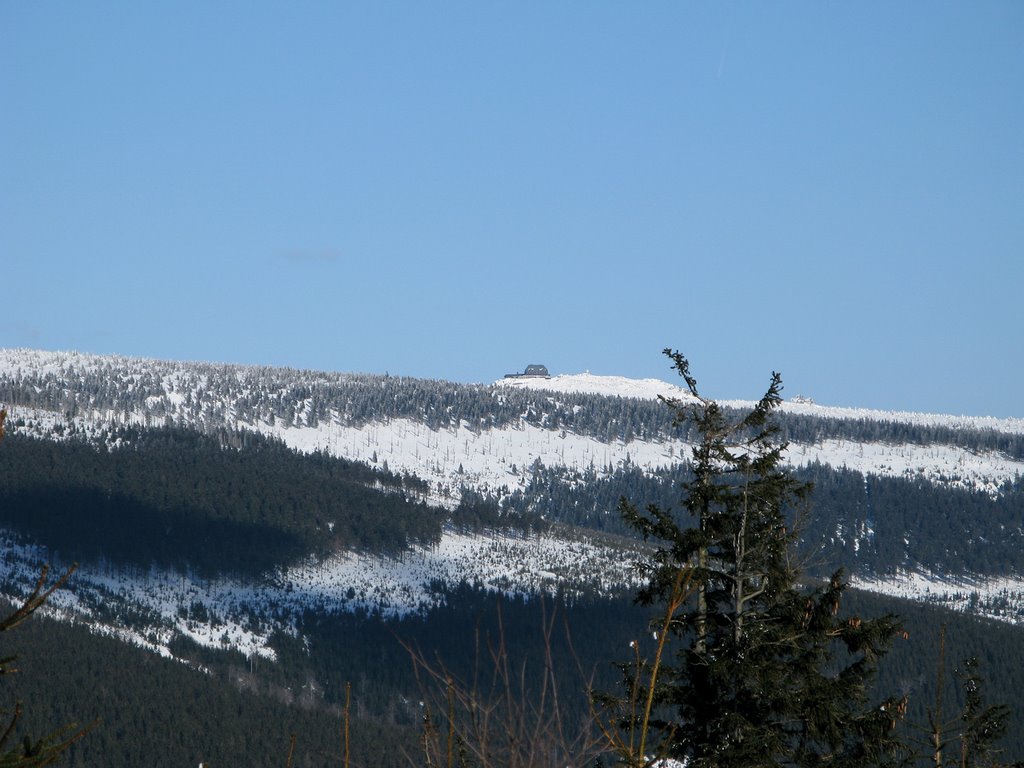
(228, 516)
(926, 501)
(259, 486)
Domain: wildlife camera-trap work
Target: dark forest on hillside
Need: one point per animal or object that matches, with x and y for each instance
(158, 712)
(857, 521)
(237, 502)
(225, 503)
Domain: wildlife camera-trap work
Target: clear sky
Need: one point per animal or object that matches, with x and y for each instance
(454, 190)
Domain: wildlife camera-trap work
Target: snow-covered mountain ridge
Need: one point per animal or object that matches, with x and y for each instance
(652, 389)
(421, 427)
(158, 378)
(490, 439)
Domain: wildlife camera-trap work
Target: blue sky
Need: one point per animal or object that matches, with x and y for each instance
(454, 190)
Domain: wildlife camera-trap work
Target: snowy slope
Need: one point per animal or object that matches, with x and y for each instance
(995, 598)
(153, 607)
(57, 395)
(488, 459)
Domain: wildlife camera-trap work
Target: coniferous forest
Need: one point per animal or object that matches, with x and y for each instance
(220, 502)
(218, 708)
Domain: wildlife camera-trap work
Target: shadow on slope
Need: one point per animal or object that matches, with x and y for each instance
(87, 525)
(218, 503)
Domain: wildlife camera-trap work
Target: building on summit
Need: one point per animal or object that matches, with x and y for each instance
(532, 371)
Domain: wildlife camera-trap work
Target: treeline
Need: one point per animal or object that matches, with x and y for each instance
(863, 522)
(216, 396)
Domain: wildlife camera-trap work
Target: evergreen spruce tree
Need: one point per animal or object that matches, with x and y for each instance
(767, 671)
(970, 737)
(982, 725)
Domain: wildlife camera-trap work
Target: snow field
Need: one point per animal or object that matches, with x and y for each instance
(995, 598)
(151, 608)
